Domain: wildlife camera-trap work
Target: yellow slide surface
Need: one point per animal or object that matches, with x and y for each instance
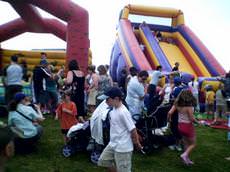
(174, 54)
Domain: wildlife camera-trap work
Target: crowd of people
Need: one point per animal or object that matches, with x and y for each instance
(74, 97)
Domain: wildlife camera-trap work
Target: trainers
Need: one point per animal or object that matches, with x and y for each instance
(184, 159)
(178, 148)
(190, 162)
(227, 158)
(155, 146)
(172, 147)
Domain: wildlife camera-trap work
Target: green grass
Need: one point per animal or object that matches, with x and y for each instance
(212, 148)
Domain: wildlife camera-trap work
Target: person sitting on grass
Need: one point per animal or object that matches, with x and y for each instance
(25, 119)
(6, 145)
(66, 113)
(184, 104)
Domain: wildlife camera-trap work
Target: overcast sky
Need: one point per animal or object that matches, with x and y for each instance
(208, 19)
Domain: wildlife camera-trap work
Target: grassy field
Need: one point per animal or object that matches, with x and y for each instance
(209, 155)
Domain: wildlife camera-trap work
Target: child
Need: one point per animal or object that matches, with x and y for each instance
(117, 155)
(184, 104)
(66, 113)
(209, 101)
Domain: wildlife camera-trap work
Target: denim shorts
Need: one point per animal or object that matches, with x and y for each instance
(120, 160)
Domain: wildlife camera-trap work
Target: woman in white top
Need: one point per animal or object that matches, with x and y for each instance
(92, 83)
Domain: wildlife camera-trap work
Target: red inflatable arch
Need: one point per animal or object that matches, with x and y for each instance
(75, 33)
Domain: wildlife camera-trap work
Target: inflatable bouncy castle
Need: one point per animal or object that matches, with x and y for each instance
(144, 44)
(75, 32)
(33, 57)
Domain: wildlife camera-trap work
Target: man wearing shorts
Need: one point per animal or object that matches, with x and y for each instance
(123, 134)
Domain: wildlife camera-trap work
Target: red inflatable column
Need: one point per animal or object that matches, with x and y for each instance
(77, 42)
(12, 29)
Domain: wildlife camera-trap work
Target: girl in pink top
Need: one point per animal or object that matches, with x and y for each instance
(185, 104)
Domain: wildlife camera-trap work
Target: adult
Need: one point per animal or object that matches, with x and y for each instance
(39, 89)
(122, 80)
(51, 90)
(136, 93)
(227, 84)
(117, 154)
(226, 81)
(92, 83)
(167, 90)
(25, 70)
(23, 118)
(156, 75)
(194, 87)
(104, 81)
(178, 87)
(132, 72)
(107, 68)
(76, 78)
(12, 79)
(220, 109)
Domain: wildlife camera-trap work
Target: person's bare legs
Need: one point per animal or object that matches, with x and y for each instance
(189, 146)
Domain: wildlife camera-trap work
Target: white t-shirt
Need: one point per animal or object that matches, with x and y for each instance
(155, 77)
(194, 87)
(220, 100)
(135, 90)
(121, 125)
(14, 74)
(168, 91)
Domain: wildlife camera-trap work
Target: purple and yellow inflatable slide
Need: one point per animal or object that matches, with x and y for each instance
(137, 45)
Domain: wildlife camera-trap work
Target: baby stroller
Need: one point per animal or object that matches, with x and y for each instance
(79, 136)
(82, 141)
(100, 133)
(150, 128)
